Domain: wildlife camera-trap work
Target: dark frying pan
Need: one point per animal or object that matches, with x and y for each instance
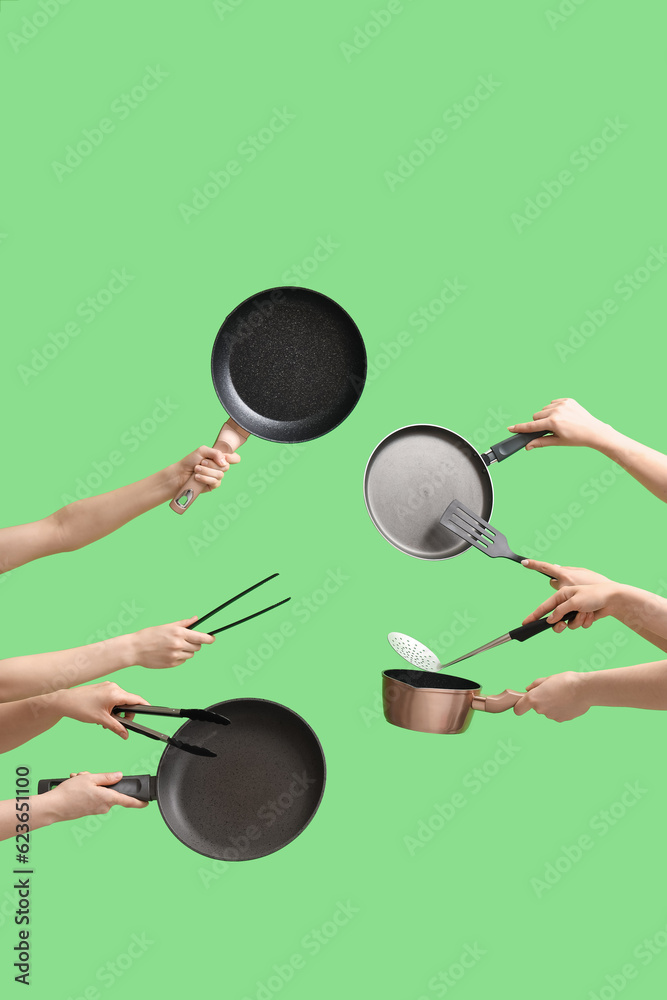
(252, 799)
(288, 365)
(415, 473)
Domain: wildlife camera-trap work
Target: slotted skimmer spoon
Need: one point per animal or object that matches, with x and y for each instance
(421, 656)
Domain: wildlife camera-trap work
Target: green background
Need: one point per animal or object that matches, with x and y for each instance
(489, 359)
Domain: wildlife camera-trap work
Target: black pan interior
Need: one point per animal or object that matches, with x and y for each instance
(288, 364)
(432, 679)
(257, 795)
(412, 477)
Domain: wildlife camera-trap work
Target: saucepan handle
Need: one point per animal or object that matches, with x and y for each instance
(230, 439)
(138, 786)
(510, 446)
(497, 702)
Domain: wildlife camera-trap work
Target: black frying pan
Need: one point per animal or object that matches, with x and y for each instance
(288, 365)
(414, 474)
(260, 791)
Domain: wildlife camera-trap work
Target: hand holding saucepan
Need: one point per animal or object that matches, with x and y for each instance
(590, 601)
(567, 422)
(559, 697)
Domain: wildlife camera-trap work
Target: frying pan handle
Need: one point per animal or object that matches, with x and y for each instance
(138, 786)
(230, 439)
(510, 446)
(496, 702)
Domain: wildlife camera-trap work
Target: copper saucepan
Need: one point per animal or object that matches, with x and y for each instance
(437, 703)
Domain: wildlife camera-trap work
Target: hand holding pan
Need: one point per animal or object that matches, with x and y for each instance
(288, 365)
(256, 796)
(437, 703)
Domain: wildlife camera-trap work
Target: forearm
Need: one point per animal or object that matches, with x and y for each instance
(42, 673)
(640, 686)
(42, 812)
(645, 613)
(84, 521)
(21, 721)
(647, 466)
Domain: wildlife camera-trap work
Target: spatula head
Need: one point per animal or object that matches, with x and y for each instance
(414, 652)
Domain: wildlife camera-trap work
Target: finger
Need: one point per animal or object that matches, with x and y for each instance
(535, 683)
(588, 620)
(233, 458)
(544, 607)
(541, 567)
(206, 468)
(106, 778)
(578, 621)
(197, 638)
(118, 799)
(208, 480)
(112, 723)
(214, 454)
(543, 442)
(560, 627)
(185, 622)
(522, 706)
(530, 427)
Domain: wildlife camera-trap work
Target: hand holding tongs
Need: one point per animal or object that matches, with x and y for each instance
(201, 714)
(231, 601)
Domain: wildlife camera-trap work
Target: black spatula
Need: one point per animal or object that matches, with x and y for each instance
(474, 529)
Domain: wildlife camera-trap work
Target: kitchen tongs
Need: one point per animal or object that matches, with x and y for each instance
(200, 714)
(231, 601)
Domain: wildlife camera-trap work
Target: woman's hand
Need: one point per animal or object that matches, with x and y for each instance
(208, 465)
(164, 646)
(591, 601)
(559, 697)
(85, 794)
(565, 576)
(94, 703)
(568, 423)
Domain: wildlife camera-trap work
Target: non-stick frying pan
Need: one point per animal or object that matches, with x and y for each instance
(260, 791)
(437, 703)
(288, 365)
(415, 473)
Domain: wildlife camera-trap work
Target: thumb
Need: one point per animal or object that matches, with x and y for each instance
(522, 706)
(108, 778)
(185, 622)
(543, 442)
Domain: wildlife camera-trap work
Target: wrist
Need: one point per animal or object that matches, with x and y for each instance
(584, 685)
(125, 650)
(51, 807)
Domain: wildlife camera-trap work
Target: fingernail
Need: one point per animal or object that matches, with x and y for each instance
(524, 562)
